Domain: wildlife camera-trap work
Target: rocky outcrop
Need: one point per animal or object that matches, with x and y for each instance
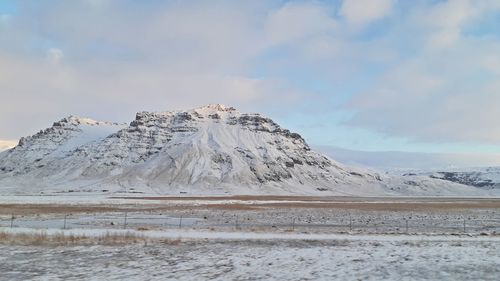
(484, 178)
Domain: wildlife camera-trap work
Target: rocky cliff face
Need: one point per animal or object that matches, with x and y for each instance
(208, 150)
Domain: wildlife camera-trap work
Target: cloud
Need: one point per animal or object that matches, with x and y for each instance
(297, 21)
(55, 55)
(426, 72)
(448, 89)
(437, 97)
(447, 19)
(389, 160)
(118, 92)
(360, 12)
(118, 60)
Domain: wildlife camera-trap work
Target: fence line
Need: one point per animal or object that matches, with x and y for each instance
(336, 224)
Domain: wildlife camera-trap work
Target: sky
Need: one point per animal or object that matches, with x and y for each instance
(373, 75)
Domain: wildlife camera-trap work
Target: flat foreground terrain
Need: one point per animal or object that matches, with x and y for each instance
(336, 258)
(248, 238)
(63, 204)
(257, 213)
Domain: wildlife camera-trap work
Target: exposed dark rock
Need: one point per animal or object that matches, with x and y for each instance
(412, 183)
(467, 178)
(356, 174)
(214, 116)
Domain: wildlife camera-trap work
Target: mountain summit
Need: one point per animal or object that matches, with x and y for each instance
(212, 149)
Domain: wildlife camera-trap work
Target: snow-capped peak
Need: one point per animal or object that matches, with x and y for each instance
(214, 107)
(75, 121)
(212, 149)
(79, 120)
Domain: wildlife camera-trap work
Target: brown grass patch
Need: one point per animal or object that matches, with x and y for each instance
(61, 239)
(233, 206)
(311, 198)
(34, 209)
(358, 203)
(386, 206)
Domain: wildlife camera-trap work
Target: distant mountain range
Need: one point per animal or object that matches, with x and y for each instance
(479, 170)
(487, 178)
(212, 149)
(390, 160)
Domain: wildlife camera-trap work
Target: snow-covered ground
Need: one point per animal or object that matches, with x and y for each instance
(251, 238)
(243, 256)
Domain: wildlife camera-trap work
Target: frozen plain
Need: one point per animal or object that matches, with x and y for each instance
(209, 246)
(192, 255)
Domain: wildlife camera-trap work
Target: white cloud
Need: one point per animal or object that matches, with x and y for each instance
(441, 97)
(446, 20)
(447, 90)
(175, 55)
(360, 12)
(118, 92)
(297, 21)
(55, 55)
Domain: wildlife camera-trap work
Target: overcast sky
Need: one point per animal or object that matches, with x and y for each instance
(359, 74)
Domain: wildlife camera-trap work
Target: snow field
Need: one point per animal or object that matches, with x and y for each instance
(264, 257)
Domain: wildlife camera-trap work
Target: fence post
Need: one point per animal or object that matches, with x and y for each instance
(350, 222)
(12, 221)
(293, 224)
(464, 225)
(236, 222)
(65, 216)
(406, 225)
(180, 221)
(125, 221)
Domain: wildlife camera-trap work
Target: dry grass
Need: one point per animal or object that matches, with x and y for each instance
(303, 198)
(329, 202)
(39, 209)
(61, 239)
(262, 203)
(34, 209)
(382, 206)
(230, 206)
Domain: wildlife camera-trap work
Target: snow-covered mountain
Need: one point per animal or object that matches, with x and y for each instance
(487, 178)
(208, 150)
(399, 160)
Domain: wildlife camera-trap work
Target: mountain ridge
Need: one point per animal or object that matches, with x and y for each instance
(212, 149)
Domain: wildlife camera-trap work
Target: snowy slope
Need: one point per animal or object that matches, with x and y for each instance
(208, 150)
(55, 142)
(487, 178)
